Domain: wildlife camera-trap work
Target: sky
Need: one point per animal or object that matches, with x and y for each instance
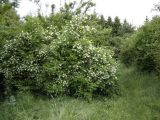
(135, 11)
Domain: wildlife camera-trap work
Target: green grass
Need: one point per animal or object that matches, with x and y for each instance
(140, 100)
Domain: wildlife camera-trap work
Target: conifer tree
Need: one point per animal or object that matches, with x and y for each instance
(116, 26)
(109, 21)
(147, 19)
(103, 22)
(126, 28)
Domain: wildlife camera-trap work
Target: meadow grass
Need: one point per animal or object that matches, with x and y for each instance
(140, 100)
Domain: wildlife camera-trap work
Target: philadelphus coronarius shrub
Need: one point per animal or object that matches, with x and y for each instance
(22, 57)
(67, 64)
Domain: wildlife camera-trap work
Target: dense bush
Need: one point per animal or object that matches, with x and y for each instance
(145, 51)
(148, 46)
(9, 27)
(57, 62)
(127, 53)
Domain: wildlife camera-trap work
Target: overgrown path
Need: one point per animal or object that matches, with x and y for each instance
(140, 100)
(141, 96)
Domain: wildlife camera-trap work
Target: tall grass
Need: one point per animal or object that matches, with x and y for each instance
(140, 100)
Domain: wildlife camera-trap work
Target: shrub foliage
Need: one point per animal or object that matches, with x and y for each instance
(145, 47)
(56, 61)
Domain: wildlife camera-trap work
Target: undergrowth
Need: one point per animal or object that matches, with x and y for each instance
(140, 100)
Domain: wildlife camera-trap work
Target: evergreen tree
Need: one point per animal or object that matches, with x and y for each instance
(126, 28)
(109, 21)
(103, 22)
(52, 8)
(116, 26)
(147, 19)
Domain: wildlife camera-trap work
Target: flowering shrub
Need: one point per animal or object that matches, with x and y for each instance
(23, 56)
(79, 67)
(57, 62)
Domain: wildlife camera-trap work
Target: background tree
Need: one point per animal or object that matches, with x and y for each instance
(126, 28)
(116, 26)
(103, 22)
(109, 21)
(147, 19)
(53, 8)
